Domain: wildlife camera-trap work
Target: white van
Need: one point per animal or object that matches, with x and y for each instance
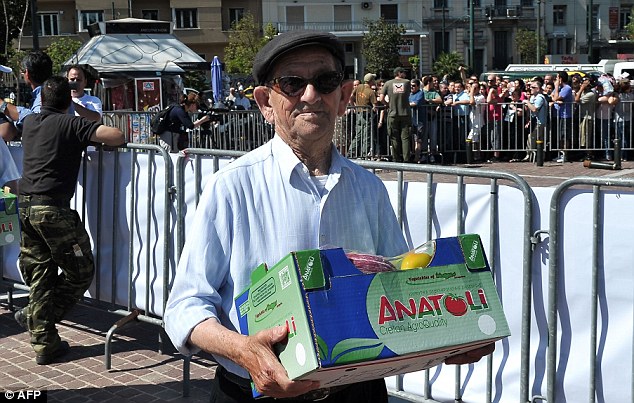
(624, 67)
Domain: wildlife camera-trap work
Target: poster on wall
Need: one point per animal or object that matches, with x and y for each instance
(148, 94)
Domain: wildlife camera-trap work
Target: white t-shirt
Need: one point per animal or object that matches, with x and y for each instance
(8, 169)
(89, 102)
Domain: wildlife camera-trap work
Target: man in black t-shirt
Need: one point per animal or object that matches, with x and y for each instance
(53, 236)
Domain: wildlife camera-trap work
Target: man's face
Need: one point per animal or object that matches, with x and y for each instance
(458, 88)
(308, 118)
(77, 77)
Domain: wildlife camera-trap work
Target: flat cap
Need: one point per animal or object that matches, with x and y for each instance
(284, 43)
(369, 77)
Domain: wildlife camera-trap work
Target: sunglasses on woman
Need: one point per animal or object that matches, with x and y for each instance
(293, 86)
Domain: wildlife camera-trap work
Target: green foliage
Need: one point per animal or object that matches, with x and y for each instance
(61, 50)
(196, 80)
(380, 46)
(14, 60)
(414, 61)
(447, 65)
(630, 26)
(526, 42)
(12, 15)
(245, 41)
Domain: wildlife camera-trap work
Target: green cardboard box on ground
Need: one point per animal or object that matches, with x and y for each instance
(346, 326)
(9, 221)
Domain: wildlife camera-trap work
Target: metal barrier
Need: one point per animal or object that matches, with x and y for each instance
(106, 235)
(445, 132)
(554, 272)
(196, 155)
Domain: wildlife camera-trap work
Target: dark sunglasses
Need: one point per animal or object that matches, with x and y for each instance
(293, 86)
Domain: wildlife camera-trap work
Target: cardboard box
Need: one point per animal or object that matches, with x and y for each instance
(9, 219)
(346, 326)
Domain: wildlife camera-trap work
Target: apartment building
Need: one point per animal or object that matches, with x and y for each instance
(483, 31)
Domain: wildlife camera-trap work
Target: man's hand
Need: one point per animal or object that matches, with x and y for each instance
(471, 356)
(266, 371)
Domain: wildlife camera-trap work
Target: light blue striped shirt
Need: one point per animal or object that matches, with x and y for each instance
(258, 209)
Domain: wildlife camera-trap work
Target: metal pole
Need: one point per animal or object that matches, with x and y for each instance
(35, 26)
(539, 23)
(590, 26)
(443, 26)
(471, 35)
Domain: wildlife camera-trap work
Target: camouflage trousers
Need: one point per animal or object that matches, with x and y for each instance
(56, 262)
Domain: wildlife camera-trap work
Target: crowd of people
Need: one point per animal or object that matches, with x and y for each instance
(578, 116)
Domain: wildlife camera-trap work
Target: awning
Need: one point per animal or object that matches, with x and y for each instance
(137, 53)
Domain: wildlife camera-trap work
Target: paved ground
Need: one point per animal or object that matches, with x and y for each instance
(139, 373)
(550, 174)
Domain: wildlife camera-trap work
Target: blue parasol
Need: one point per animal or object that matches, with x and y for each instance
(216, 79)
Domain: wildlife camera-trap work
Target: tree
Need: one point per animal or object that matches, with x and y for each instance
(381, 46)
(245, 41)
(447, 65)
(630, 25)
(414, 61)
(13, 18)
(526, 42)
(61, 50)
(196, 80)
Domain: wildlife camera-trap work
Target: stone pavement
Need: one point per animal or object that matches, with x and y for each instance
(139, 372)
(549, 175)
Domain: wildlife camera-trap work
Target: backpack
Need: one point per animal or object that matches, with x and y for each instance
(160, 121)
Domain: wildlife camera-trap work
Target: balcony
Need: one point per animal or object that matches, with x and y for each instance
(497, 12)
(347, 26)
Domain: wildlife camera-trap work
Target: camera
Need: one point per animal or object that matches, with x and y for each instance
(214, 116)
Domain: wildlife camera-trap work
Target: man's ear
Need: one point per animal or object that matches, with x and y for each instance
(262, 94)
(346, 90)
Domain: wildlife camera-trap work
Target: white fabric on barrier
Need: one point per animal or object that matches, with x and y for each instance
(615, 291)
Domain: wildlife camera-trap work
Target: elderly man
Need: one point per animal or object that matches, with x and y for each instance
(295, 192)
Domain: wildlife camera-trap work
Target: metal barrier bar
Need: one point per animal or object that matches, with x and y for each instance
(553, 276)
(444, 134)
(494, 176)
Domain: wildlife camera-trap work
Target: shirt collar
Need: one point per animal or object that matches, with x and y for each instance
(289, 162)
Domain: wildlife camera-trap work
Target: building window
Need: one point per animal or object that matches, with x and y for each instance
(295, 17)
(441, 43)
(343, 18)
(440, 4)
(49, 24)
(559, 14)
(150, 15)
(527, 3)
(624, 15)
(560, 46)
(235, 15)
(389, 12)
(186, 18)
(89, 17)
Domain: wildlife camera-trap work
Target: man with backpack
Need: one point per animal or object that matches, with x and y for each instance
(171, 124)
